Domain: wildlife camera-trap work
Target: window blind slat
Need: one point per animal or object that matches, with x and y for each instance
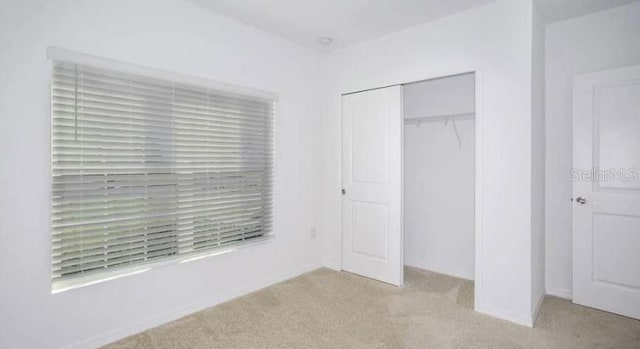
(122, 132)
(96, 250)
(109, 185)
(157, 227)
(105, 241)
(112, 108)
(98, 198)
(103, 136)
(97, 119)
(128, 229)
(221, 186)
(131, 81)
(241, 205)
(124, 91)
(145, 169)
(141, 256)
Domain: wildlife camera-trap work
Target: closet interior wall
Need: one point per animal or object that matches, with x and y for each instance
(439, 175)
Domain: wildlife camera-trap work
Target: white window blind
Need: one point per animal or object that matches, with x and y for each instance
(145, 169)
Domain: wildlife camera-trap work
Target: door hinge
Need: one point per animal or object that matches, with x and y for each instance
(344, 191)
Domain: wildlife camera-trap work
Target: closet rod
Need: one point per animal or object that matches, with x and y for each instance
(439, 118)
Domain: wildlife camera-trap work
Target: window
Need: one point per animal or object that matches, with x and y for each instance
(145, 169)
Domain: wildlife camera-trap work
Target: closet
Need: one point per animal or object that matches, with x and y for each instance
(408, 179)
(439, 175)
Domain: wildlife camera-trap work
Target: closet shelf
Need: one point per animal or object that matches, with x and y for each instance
(443, 118)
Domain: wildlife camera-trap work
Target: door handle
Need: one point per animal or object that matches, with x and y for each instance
(583, 201)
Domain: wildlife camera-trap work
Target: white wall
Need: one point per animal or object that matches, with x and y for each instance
(537, 163)
(494, 40)
(595, 42)
(439, 198)
(439, 175)
(446, 96)
(173, 35)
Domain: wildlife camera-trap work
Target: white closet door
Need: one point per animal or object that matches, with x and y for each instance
(606, 213)
(372, 171)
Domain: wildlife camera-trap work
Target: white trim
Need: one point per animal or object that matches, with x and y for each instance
(402, 258)
(560, 293)
(439, 272)
(329, 264)
(479, 186)
(64, 55)
(536, 310)
(174, 314)
(504, 315)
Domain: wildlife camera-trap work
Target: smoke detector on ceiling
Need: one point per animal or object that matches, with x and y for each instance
(325, 41)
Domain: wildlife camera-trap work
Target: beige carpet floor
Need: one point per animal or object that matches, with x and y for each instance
(328, 309)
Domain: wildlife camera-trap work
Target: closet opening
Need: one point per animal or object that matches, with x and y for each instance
(439, 174)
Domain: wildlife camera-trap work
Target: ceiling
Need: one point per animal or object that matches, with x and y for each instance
(346, 21)
(559, 10)
(350, 21)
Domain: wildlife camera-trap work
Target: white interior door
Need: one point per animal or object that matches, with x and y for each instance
(372, 182)
(606, 187)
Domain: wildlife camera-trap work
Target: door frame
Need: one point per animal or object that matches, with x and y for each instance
(479, 166)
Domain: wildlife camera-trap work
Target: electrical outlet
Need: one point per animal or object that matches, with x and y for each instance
(313, 232)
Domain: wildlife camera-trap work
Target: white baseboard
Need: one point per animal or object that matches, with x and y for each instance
(440, 271)
(559, 292)
(331, 265)
(536, 310)
(524, 320)
(175, 314)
